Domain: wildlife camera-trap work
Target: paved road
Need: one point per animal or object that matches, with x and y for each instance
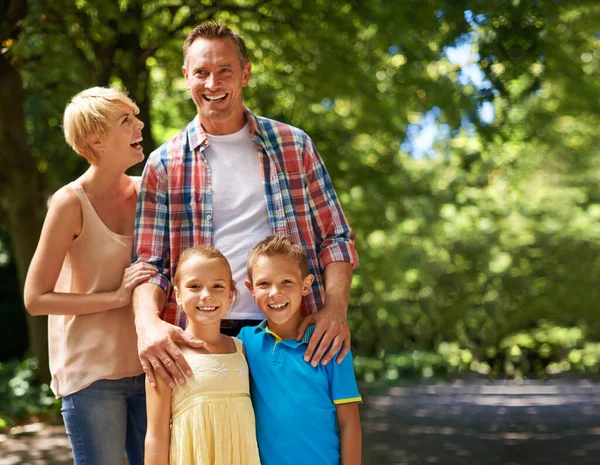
(460, 423)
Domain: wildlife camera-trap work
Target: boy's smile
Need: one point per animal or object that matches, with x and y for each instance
(278, 287)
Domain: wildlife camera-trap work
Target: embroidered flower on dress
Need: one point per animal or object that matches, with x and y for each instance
(220, 370)
(242, 369)
(199, 371)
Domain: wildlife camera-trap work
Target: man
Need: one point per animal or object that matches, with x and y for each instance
(229, 180)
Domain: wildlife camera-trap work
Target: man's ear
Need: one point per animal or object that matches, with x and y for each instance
(184, 71)
(246, 71)
(307, 283)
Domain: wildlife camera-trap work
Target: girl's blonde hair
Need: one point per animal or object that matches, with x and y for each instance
(209, 253)
(87, 113)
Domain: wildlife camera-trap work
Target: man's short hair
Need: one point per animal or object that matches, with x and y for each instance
(88, 113)
(275, 246)
(216, 30)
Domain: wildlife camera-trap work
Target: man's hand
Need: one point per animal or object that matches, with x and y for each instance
(159, 352)
(330, 326)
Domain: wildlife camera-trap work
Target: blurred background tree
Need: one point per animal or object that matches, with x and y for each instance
(461, 137)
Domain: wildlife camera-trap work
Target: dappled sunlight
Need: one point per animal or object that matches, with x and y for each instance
(480, 422)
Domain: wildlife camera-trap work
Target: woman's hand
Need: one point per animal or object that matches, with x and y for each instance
(134, 274)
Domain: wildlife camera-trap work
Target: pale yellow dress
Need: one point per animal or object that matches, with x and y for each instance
(212, 415)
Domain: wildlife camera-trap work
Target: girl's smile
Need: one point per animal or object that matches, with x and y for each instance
(204, 291)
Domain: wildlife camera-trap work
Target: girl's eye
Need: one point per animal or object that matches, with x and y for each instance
(218, 286)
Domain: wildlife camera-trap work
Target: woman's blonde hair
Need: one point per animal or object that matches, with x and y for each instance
(87, 113)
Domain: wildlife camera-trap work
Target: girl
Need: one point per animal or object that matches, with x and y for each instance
(211, 415)
(81, 275)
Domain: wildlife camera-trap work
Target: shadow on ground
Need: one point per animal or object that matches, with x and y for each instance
(465, 423)
(460, 423)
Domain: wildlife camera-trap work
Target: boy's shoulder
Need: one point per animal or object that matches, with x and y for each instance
(248, 333)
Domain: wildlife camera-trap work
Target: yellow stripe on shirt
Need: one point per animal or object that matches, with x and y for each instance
(347, 401)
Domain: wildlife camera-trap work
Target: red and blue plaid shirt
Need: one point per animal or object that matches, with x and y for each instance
(175, 204)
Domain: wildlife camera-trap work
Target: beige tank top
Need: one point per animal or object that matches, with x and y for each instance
(103, 345)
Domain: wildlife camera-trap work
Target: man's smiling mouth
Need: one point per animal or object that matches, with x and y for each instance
(215, 98)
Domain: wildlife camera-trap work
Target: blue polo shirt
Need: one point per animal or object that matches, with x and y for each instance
(294, 403)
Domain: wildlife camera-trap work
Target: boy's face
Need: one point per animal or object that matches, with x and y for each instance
(278, 287)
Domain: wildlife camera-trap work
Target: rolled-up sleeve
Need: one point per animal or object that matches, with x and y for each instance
(328, 219)
(151, 239)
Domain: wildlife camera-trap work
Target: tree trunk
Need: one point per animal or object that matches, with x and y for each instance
(22, 195)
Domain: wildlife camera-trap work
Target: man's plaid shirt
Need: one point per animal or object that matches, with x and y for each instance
(175, 204)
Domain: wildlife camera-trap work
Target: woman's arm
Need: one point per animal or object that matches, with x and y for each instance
(62, 225)
(350, 433)
(158, 435)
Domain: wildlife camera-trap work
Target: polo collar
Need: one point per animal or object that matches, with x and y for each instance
(263, 326)
(197, 136)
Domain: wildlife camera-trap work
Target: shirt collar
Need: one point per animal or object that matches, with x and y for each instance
(197, 136)
(264, 326)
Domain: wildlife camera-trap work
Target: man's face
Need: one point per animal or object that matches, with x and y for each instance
(215, 78)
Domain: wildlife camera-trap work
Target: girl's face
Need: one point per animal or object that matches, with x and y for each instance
(204, 290)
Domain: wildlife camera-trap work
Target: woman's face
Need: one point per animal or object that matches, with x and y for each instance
(121, 143)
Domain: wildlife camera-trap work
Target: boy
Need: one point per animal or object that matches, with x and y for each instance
(304, 414)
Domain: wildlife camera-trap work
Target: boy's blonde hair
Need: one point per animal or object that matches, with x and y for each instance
(87, 113)
(209, 253)
(278, 245)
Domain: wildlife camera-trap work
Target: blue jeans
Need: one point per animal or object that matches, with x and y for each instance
(106, 419)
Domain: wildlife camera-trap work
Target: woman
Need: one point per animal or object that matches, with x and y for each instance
(82, 277)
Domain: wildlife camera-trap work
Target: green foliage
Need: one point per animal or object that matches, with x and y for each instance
(21, 396)
(542, 352)
(462, 252)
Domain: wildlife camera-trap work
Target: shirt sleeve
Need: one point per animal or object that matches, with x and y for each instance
(327, 216)
(242, 335)
(342, 382)
(151, 237)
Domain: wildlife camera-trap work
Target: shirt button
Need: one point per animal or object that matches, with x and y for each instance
(209, 217)
(209, 188)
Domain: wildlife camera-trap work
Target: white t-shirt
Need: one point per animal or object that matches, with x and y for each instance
(240, 217)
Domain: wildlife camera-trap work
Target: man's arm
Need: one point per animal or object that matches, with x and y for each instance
(331, 322)
(337, 257)
(157, 339)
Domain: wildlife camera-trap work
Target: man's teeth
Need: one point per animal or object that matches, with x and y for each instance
(214, 98)
(278, 306)
(136, 142)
